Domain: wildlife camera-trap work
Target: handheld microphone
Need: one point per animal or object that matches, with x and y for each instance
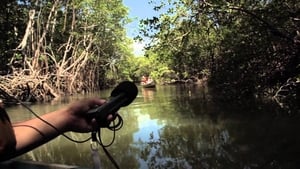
(121, 96)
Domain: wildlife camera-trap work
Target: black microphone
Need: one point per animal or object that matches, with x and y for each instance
(121, 96)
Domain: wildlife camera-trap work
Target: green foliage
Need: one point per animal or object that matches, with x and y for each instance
(12, 21)
(247, 47)
(134, 67)
(88, 34)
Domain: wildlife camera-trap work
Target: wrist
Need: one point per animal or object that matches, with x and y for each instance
(65, 119)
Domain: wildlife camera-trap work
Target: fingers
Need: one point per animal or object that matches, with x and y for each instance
(110, 117)
(95, 101)
(94, 124)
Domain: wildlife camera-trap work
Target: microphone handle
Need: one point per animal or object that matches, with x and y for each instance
(111, 107)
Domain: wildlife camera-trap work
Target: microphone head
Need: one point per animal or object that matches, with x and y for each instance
(128, 89)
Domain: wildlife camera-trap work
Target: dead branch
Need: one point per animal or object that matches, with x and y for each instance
(26, 88)
(29, 27)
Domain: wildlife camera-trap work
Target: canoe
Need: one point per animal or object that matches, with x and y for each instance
(150, 84)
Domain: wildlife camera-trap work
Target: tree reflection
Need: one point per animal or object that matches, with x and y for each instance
(178, 129)
(215, 147)
(148, 94)
(184, 147)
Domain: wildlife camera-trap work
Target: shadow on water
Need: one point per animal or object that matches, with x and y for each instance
(184, 127)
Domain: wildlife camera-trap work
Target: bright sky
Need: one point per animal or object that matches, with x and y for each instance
(138, 9)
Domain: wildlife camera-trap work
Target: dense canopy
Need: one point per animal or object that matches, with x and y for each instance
(244, 48)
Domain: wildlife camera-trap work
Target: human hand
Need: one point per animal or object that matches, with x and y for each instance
(29, 134)
(76, 115)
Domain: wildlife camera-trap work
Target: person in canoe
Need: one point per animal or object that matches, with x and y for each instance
(147, 82)
(144, 80)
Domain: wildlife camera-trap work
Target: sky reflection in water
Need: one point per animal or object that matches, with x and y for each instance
(147, 127)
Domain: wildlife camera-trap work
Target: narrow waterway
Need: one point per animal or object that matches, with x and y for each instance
(180, 127)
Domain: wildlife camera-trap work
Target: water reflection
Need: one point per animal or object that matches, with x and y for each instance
(176, 127)
(148, 94)
(147, 128)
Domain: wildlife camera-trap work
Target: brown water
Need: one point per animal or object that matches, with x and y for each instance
(181, 127)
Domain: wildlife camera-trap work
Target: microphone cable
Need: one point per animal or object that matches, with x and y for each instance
(95, 135)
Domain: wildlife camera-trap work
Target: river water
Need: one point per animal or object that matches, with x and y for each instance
(182, 127)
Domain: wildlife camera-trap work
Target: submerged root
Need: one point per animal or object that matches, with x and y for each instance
(26, 88)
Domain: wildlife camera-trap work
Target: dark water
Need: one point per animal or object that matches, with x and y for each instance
(182, 127)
